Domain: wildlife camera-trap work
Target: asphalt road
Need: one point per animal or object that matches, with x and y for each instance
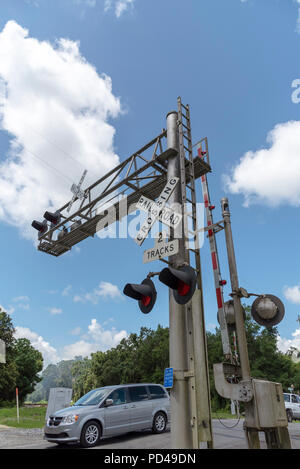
(230, 436)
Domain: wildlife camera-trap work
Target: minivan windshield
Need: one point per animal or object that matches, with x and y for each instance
(93, 397)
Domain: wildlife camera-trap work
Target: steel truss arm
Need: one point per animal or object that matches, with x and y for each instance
(143, 173)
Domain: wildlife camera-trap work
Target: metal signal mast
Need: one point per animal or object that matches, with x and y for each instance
(164, 169)
(162, 173)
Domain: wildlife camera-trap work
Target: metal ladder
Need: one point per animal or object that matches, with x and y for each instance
(188, 189)
(203, 433)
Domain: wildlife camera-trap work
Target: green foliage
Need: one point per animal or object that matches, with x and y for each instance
(142, 358)
(139, 358)
(266, 361)
(81, 371)
(29, 362)
(8, 371)
(23, 363)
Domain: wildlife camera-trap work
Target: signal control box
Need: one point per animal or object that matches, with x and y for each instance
(267, 409)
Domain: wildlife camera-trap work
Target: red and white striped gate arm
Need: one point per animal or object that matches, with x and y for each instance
(215, 260)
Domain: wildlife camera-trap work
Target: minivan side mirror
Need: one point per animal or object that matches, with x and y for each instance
(108, 402)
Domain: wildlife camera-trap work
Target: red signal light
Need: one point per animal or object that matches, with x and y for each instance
(183, 288)
(145, 293)
(146, 300)
(182, 281)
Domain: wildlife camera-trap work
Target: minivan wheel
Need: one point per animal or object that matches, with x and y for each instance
(289, 415)
(159, 423)
(90, 434)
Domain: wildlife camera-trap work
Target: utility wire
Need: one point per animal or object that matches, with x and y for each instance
(48, 164)
(238, 417)
(55, 145)
(51, 142)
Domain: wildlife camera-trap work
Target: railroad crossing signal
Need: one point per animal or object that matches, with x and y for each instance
(182, 281)
(41, 227)
(267, 310)
(54, 218)
(145, 293)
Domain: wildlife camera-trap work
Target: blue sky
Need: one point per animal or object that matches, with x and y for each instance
(124, 63)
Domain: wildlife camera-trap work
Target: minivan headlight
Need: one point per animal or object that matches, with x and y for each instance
(69, 419)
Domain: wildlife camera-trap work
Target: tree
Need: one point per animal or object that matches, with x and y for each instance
(80, 373)
(29, 363)
(136, 359)
(143, 357)
(266, 361)
(8, 370)
(23, 363)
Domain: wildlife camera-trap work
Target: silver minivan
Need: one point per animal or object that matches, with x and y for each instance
(110, 411)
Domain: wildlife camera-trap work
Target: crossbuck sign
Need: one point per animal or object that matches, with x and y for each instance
(166, 215)
(156, 210)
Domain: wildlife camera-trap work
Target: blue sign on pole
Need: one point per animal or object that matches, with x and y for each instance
(168, 378)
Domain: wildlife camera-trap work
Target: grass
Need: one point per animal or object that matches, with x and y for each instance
(35, 417)
(223, 414)
(29, 417)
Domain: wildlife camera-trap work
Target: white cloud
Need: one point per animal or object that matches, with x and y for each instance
(272, 175)
(22, 302)
(77, 298)
(104, 290)
(293, 294)
(10, 310)
(96, 339)
(76, 331)
(108, 290)
(67, 290)
(211, 327)
(107, 338)
(80, 348)
(20, 298)
(119, 6)
(24, 306)
(55, 311)
(298, 19)
(55, 107)
(49, 353)
(34, 3)
(88, 3)
(284, 344)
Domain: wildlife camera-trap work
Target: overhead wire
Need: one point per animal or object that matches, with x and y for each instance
(238, 417)
(48, 164)
(51, 143)
(57, 146)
